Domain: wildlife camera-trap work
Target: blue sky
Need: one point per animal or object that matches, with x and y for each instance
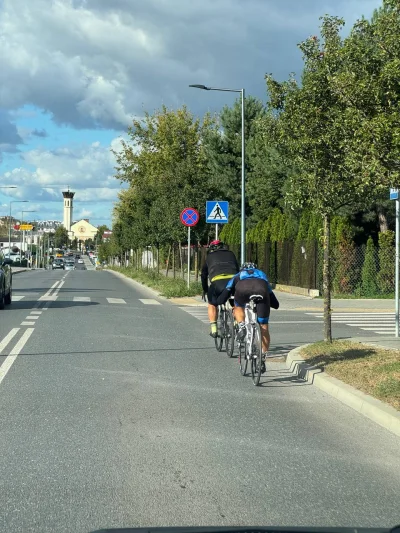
(75, 72)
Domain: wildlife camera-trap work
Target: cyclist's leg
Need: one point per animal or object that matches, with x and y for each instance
(241, 299)
(263, 312)
(212, 309)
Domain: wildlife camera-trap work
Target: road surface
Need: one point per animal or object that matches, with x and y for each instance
(116, 411)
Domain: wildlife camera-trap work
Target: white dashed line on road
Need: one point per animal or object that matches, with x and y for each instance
(5, 367)
(8, 338)
(116, 301)
(26, 323)
(81, 299)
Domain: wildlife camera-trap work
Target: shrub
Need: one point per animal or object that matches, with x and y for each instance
(369, 271)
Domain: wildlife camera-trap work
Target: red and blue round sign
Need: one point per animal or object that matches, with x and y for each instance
(190, 216)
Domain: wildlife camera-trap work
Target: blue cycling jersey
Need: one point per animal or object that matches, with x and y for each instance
(248, 274)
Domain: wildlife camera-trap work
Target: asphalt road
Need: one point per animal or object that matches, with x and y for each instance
(116, 410)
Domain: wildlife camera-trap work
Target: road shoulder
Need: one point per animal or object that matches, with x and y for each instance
(377, 411)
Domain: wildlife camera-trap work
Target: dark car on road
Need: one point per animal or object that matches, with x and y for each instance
(5, 281)
(58, 263)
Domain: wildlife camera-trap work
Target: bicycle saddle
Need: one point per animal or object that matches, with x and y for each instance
(255, 298)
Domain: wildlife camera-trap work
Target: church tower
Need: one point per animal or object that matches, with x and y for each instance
(68, 208)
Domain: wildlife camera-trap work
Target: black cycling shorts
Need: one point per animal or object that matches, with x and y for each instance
(248, 287)
(215, 289)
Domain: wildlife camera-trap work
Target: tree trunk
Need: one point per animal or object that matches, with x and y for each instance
(327, 280)
(168, 259)
(196, 262)
(173, 260)
(382, 219)
(181, 259)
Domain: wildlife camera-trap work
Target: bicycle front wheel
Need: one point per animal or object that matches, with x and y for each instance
(229, 333)
(256, 354)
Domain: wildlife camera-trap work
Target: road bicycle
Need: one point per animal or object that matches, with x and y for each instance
(250, 349)
(225, 329)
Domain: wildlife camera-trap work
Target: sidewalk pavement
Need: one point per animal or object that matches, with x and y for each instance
(383, 341)
(295, 302)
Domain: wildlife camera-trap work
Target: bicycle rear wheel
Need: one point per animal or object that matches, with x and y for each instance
(256, 355)
(229, 333)
(219, 339)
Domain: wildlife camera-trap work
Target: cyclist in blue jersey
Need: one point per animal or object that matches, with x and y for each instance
(249, 281)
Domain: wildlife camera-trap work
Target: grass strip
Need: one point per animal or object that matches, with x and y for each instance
(373, 370)
(168, 287)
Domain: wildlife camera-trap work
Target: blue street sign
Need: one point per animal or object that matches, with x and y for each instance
(394, 194)
(217, 212)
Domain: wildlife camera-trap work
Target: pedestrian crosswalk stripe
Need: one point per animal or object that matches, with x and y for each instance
(149, 301)
(81, 299)
(379, 323)
(197, 312)
(17, 298)
(116, 301)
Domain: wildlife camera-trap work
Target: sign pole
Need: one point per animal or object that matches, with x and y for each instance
(188, 279)
(216, 232)
(396, 296)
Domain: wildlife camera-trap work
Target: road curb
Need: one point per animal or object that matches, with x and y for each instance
(15, 272)
(377, 411)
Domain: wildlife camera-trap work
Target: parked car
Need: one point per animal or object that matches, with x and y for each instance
(57, 264)
(5, 281)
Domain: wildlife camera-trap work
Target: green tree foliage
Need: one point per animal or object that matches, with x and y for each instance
(369, 271)
(313, 130)
(224, 153)
(60, 237)
(165, 167)
(386, 254)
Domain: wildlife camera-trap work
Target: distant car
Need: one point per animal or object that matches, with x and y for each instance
(58, 264)
(69, 265)
(81, 261)
(77, 256)
(5, 281)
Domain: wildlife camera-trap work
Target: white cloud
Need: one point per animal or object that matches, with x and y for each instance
(94, 63)
(87, 170)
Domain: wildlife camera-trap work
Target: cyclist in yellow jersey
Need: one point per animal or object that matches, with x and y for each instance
(220, 266)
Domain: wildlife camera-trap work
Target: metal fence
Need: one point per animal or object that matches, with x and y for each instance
(355, 270)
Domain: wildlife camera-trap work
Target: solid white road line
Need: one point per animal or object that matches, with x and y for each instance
(5, 367)
(47, 295)
(81, 299)
(116, 301)
(148, 301)
(8, 338)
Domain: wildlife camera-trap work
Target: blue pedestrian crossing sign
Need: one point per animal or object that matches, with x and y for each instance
(394, 194)
(217, 212)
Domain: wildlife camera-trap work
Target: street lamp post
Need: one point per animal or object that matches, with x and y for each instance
(9, 225)
(243, 203)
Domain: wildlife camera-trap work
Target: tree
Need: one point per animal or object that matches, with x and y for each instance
(165, 166)
(224, 150)
(313, 131)
(60, 237)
